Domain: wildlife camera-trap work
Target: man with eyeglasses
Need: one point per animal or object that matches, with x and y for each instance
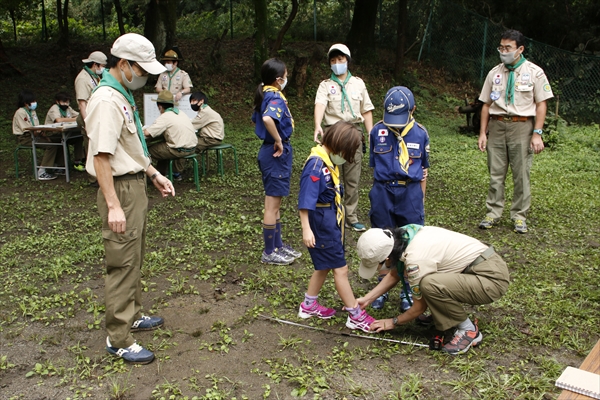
(514, 94)
(119, 159)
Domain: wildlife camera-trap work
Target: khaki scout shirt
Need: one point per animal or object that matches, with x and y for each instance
(54, 114)
(84, 84)
(209, 123)
(176, 128)
(531, 87)
(21, 121)
(111, 129)
(330, 94)
(173, 83)
(438, 250)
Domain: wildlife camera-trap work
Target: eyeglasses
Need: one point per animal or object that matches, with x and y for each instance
(505, 49)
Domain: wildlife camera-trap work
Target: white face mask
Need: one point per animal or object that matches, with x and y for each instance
(169, 67)
(337, 159)
(282, 85)
(136, 82)
(339, 69)
(100, 70)
(33, 106)
(509, 58)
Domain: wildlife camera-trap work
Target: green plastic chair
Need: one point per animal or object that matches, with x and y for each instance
(22, 147)
(219, 150)
(196, 174)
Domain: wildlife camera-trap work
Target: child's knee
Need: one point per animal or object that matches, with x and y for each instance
(340, 272)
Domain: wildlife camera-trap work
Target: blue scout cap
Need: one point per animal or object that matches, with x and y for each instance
(399, 102)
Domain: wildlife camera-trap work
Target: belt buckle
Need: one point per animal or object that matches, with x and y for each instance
(507, 118)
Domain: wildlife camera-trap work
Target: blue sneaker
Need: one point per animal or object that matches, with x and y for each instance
(404, 303)
(134, 354)
(358, 227)
(378, 303)
(177, 176)
(146, 323)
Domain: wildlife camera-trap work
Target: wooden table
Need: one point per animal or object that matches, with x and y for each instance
(68, 131)
(591, 364)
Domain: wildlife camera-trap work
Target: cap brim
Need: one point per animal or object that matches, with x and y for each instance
(396, 120)
(367, 268)
(152, 67)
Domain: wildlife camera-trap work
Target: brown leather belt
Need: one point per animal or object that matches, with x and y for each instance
(510, 118)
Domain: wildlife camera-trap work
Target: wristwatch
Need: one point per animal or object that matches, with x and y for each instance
(538, 131)
(395, 321)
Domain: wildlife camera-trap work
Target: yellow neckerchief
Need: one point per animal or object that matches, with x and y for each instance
(319, 151)
(403, 157)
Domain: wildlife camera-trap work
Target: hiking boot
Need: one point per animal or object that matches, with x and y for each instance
(488, 222)
(379, 302)
(357, 226)
(134, 354)
(276, 258)
(315, 310)
(287, 250)
(362, 322)
(145, 323)
(462, 341)
(520, 226)
(45, 176)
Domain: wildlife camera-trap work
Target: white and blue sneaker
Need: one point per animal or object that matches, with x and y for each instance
(134, 354)
(145, 323)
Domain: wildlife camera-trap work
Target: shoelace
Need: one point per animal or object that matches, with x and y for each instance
(135, 348)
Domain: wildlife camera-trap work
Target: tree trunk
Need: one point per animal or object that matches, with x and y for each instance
(261, 45)
(400, 40)
(285, 27)
(299, 75)
(361, 38)
(66, 22)
(13, 17)
(161, 21)
(62, 16)
(119, 11)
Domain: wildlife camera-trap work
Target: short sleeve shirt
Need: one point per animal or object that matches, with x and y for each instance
(174, 82)
(329, 94)
(84, 85)
(54, 113)
(316, 185)
(22, 121)
(531, 87)
(276, 107)
(111, 129)
(209, 123)
(176, 128)
(383, 157)
(438, 250)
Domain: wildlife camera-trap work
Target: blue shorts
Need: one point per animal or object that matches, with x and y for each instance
(394, 205)
(276, 171)
(328, 252)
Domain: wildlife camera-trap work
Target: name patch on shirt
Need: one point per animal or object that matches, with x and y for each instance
(413, 146)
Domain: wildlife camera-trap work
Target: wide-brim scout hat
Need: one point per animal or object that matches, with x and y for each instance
(341, 48)
(373, 247)
(399, 102)
(165, 96)
(171, 55)
(134, 47)
(97, 57)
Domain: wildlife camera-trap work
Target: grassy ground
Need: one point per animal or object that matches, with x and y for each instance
(202, 274)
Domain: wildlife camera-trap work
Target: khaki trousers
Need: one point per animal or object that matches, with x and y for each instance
(164, 153)
(51, 153)
(206, 142)
(509, 144)
(444, 293)
(124, 255)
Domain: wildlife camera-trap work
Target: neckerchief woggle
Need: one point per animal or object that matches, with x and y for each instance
(110, 81)
(30, 116)
(171, 77)
(269, 88)
(510, 83)
(94, 75)
(319, 151)
(344, 94)
(403, 157)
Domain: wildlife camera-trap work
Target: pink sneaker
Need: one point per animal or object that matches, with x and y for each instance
(316, 310)
(362, 322)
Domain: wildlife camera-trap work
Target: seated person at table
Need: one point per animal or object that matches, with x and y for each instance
(61, 111)
(178, 132)
(26, 117)
(208, 122)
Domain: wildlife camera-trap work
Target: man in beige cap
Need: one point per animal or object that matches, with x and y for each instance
(176, 128)
(444, 270)
(85, 82)
(118, 157)
(344, 97)
(175, 80)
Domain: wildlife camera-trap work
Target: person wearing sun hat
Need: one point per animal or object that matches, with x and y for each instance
(443, 269)
(344, 97)
(176, 128)
(399, 156)
(174, 79)
(119, 159)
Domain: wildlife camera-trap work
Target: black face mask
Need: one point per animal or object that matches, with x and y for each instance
(195, 107)
(63, 107)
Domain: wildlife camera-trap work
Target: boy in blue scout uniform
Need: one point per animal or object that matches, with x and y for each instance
(400, 158)
(274, 126)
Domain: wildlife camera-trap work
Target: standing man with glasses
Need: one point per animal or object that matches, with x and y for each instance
(514, 96)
